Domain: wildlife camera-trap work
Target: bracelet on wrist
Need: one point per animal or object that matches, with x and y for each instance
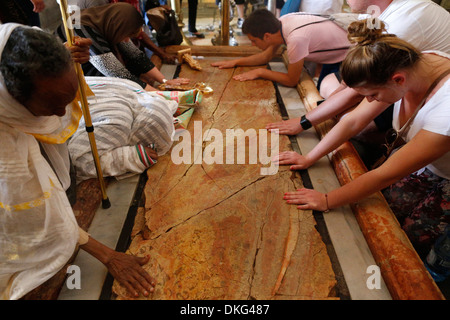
(326, 200)
(305, 123)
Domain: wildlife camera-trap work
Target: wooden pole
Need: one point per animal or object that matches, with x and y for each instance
(84, 104)
(225, 27)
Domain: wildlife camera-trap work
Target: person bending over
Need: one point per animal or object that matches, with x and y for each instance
(38, 113)
(133, 127)
(113, 54)
(415, 178)
(420, 22)
(307, 38)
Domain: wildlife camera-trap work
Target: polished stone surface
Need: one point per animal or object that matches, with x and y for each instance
(223, 231)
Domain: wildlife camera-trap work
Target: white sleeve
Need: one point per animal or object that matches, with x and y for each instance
(437, 119)
(123, 160)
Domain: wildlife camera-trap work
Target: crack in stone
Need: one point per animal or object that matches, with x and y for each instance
(223, 92)
(173, 187)
(293, 180)
(213, 180)
(205, 209)
(258, 247)
(203, 144)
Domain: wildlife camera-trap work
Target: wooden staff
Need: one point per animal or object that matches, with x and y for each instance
(225, 27)
(84, 104)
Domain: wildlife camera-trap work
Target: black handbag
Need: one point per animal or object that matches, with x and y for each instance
(167, 30)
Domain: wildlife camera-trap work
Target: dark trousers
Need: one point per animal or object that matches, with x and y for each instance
(326, 70)
(192, 16)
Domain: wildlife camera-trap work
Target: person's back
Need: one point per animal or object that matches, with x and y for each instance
(314, 38)
(135, 119)
(422, 23)
(321, 6)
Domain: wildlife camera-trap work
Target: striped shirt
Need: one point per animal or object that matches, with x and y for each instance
(125, 119)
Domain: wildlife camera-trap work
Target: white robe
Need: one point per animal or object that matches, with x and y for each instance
(123, 116)
(38, 230)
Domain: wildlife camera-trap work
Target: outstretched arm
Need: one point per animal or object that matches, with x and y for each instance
(353, 123)
(289, 79)
(408, 159)
(258, 59)
(155, 75)
(337, 104)
(124, 268)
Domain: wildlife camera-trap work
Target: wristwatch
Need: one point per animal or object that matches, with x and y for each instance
(305, 123)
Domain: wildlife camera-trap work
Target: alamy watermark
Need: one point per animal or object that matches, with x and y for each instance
(374, 280)
(229, 150)
(73, 14)
(372, 21)
(73, 280)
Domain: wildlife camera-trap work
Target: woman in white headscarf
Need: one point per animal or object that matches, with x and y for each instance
(38, 231)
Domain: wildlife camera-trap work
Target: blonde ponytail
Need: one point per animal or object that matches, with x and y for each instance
(365, 32)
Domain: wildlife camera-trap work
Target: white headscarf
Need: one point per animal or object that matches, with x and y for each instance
(52, 131)
(38, 231)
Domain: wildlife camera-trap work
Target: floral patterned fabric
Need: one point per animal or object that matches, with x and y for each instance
(421, 203)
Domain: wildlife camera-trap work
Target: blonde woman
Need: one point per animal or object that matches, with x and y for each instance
(385, 68)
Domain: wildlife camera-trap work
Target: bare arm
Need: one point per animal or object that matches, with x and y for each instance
(155, 75)
(408, 159)
(258, 59)
(350, 125)
(124, 268)
(345, 129)
(338, 103)
(289, 79)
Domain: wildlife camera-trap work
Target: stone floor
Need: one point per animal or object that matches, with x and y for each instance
(208, 23)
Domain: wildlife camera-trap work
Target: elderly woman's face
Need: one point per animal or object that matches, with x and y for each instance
(53, 94)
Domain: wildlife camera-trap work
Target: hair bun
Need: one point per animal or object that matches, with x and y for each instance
(365, 32)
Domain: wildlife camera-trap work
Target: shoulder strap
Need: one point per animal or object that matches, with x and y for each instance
(327, 18)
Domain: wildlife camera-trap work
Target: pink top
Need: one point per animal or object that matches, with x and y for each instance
(323, 42)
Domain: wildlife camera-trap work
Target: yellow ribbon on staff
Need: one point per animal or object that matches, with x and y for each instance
(76, 106)
(83, 92)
